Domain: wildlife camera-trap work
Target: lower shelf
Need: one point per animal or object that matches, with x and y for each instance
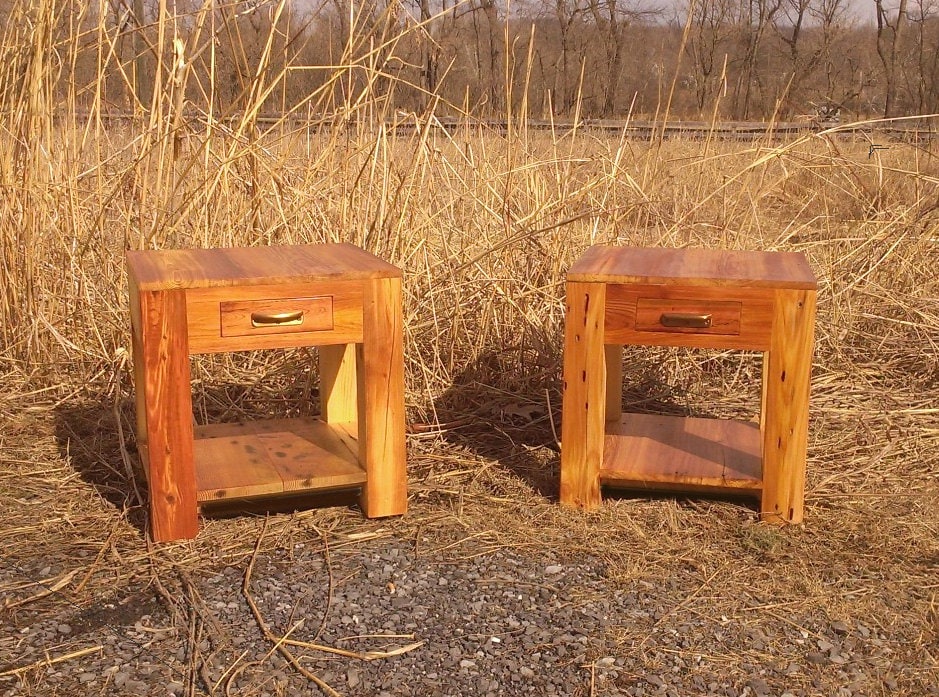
(270, 457)
(673, 453)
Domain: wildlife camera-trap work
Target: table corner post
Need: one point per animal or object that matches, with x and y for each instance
(164, 392)
(584, 401)
(384, 454)
(786, 385)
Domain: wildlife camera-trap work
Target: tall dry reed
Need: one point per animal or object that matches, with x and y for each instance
(484, 222)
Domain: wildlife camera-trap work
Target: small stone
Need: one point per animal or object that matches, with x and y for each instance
(526, 672)
(553, 569)
(175, 687)
(64, 629)
(353, 677)
(86, 677)
(759, 686)
(120, 679)
(816, 657)
(466, 664)
(840, 627)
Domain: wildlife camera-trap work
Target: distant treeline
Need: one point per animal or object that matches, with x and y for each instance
(729, 59)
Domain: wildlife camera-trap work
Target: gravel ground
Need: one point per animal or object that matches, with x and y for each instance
(486, 587)
(496, 623)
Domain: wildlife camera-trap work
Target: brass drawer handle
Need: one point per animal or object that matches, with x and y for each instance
(279, 319)
(685, 319)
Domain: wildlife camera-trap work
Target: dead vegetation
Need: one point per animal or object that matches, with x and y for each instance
(484, 226)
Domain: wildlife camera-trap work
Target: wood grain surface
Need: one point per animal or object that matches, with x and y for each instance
(753, 308)
(383, 456)
(272, 457)
(786, 383)
(653, 451)
(163, 383)
(693, 267)
(220, 267)
(584, 400)
(204, 309)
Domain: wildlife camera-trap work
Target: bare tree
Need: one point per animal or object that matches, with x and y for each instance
(611, 20)
(712, 28)
(494, 40)
(891, 25)
(807, 29)
(757, 16)
(925, 20)
(567, 13)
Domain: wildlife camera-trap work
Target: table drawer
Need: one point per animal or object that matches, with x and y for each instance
(276, 316)
(693, 316)
(687, 316)
(244, 318)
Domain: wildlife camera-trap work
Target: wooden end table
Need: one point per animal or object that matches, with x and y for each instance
(762, 301)
(337, 297)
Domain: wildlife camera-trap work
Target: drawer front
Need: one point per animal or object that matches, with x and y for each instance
(244, 318)
(281, 316)
(701, 317)
(687, 316)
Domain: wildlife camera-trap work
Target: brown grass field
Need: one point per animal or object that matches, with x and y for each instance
(484, 226)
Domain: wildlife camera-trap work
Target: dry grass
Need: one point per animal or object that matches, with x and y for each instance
(484, 226)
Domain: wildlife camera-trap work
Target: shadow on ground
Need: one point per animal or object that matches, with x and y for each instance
(513, 416)
(88, 433)
(98, 438)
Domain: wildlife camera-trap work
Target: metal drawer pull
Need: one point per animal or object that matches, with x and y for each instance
(279, 319)
(685, 319)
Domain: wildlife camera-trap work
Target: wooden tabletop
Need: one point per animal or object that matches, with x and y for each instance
(696, 267)
(205, 268)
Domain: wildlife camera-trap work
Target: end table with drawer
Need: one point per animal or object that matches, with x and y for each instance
(336, 297)
(749, 300)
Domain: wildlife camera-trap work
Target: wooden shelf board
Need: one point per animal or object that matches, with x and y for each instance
(270, 457)
(673, 453)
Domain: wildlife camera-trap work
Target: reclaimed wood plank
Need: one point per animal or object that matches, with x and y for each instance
(204, 311)
(623, 323)
(693, 267)
(264, 265)
(584, 400)
(382, 448)
(653, 451)
(164, 383)
(786, 385)
(270, 457)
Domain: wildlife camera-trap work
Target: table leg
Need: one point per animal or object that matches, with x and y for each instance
(382, 448)
(613, 354)
(340, 388)
(161, 348)
(785, 409)
(585, 401)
